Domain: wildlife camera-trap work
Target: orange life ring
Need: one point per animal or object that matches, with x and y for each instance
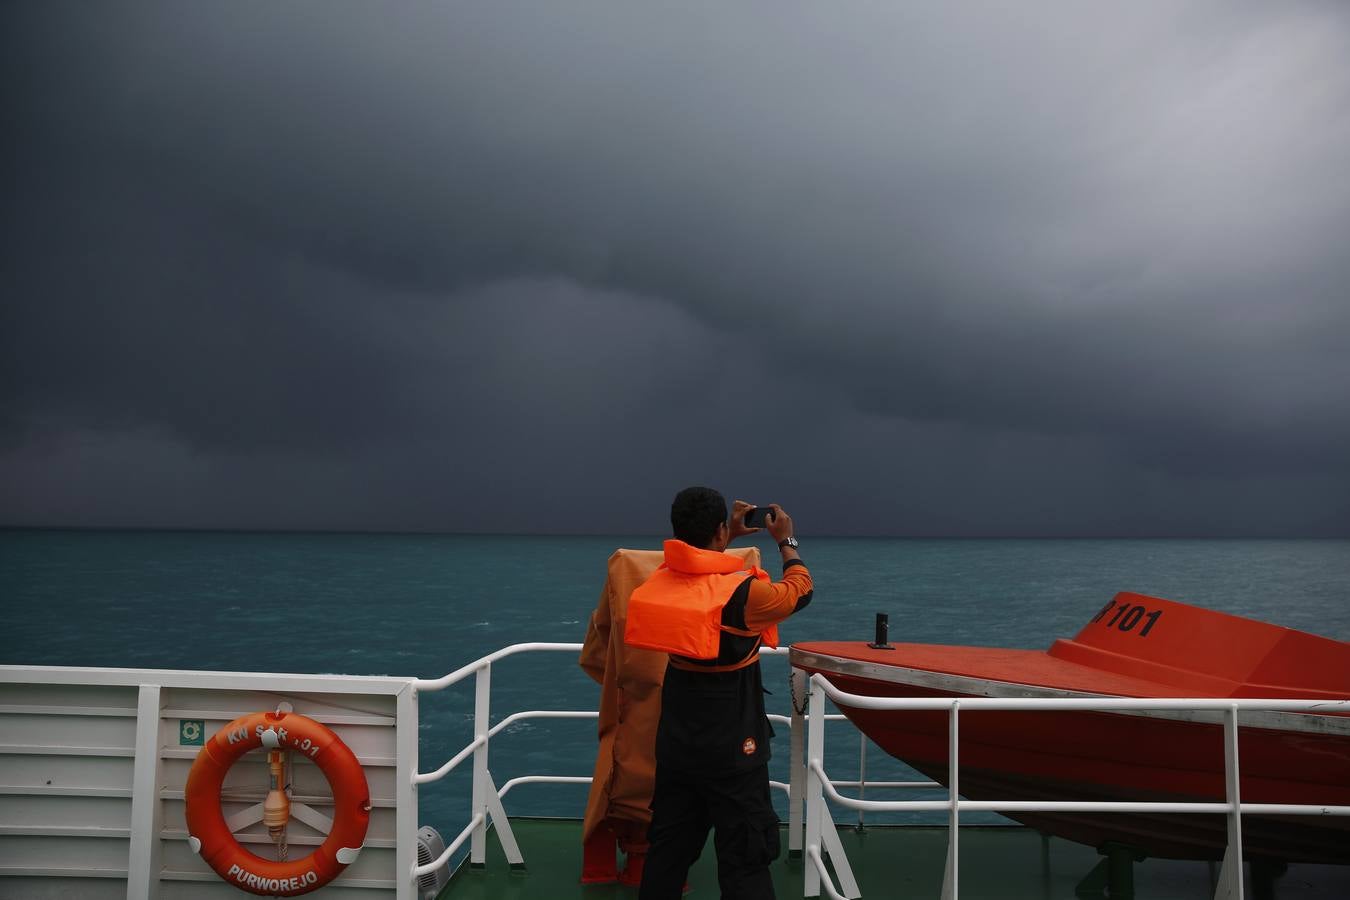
(209, 836)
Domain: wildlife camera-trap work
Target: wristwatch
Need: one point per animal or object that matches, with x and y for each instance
(788, 542)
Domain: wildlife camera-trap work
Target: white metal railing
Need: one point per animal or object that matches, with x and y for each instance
(486, 800)
(821, 838)
(811, 830)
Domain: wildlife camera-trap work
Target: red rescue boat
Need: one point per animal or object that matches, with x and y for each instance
(1135, 646)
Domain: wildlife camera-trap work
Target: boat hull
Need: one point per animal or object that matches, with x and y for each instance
(1091, 756)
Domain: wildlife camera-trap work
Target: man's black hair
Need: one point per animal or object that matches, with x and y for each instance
(695, 515)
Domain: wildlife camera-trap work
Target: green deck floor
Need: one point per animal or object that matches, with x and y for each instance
(889, 862)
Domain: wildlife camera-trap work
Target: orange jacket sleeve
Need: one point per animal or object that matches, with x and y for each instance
(770, 602)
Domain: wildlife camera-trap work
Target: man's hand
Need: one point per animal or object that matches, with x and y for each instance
(738, 510)
(780, 525)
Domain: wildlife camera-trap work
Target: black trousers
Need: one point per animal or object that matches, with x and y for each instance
(737, 808)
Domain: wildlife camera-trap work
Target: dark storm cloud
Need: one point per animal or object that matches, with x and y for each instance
(1031, 268)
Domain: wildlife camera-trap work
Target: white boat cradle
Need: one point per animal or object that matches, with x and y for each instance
(93, 762)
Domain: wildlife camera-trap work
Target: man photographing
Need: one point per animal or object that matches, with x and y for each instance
(712, 614)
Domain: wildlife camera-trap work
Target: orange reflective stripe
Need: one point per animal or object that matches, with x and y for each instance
(679, 663)
(768, 635)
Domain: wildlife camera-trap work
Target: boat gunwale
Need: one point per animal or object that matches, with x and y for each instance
(973, 686)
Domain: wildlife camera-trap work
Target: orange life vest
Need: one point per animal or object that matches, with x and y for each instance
(679, 609)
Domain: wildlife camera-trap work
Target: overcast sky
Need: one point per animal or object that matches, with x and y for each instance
(906, 268)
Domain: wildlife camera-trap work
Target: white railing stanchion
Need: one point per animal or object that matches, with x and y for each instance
(862, 774)
(950, 886)
(815, 861)
(822, 838)
(405, 796)
(834, 848)
(506, 835)
(1230, 874)
(796, 761)
(815, 802)
(482, 716)
(146, 816)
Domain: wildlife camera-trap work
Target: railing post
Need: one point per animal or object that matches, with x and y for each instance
(405, 799)
(146, 810)
(796, 760)
(950, 890)
(482, 714)
(862, 773)
(815, 799)
(1230, 874)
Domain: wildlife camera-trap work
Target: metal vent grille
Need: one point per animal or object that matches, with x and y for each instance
(430, 845)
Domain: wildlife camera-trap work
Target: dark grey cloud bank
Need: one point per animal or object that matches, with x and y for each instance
(920, 269)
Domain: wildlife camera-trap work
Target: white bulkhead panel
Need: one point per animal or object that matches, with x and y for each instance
(70, 779)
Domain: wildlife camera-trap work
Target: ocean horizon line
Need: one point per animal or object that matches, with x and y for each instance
(649, 536)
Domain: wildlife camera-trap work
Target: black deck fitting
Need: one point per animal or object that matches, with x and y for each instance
(883, 627)
(1114, 875)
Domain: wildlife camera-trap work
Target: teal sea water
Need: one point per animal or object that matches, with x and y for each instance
(426, 604)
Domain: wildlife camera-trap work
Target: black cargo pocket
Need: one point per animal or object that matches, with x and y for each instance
(771, 844)
(745, 846)
(761, 845)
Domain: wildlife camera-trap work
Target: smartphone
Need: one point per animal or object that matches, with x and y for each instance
(758, 517)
